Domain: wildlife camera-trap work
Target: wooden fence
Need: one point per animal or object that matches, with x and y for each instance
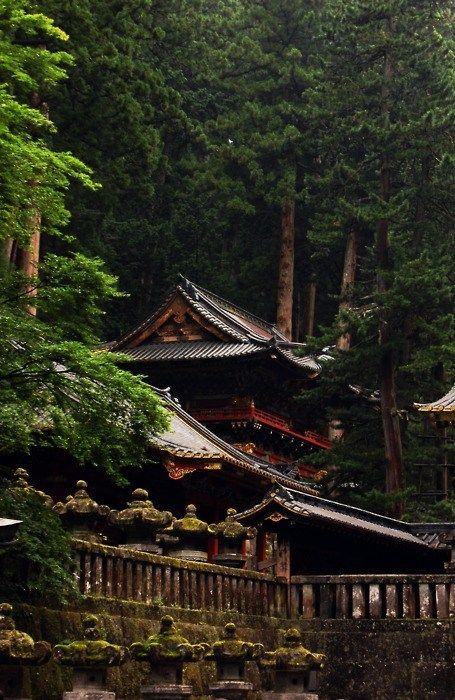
(113, 572)
(373, 597)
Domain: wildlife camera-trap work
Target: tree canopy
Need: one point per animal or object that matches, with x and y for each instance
(55, 386)
(295, 157)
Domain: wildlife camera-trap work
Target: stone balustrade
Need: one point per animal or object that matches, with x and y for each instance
(115, 572)
(373, 597)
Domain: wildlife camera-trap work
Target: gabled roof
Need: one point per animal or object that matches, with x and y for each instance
(235, 333)
(306, 506)
(189, 439)
(442, 408)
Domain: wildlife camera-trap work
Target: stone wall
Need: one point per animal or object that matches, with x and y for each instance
(367, 659)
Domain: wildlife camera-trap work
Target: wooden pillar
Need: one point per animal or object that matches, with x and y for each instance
(261, 546)
(283, 559)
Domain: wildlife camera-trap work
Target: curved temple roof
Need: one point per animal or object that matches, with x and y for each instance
(244, 334)
(443, 408)
(306, 505)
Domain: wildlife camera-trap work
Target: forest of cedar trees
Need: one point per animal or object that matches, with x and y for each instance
(294, 156)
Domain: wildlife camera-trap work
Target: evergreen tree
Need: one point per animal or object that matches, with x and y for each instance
(262, 136)
(388, 94)
(54, 388)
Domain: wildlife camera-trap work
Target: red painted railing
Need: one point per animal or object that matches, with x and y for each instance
(251, 413)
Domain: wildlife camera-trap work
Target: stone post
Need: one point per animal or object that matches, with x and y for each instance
(230, 655)
(17, 649)
(295, 669)
(166, 653)
(449, 540)
(90, 659)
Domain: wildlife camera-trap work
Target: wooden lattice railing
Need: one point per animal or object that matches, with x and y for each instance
(113, 572)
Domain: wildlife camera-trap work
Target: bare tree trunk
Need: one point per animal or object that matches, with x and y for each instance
(390, 416)
(336, 432)
(310, 308)
(286, 268)
(347, 283)
(28, 258)
(8, 251)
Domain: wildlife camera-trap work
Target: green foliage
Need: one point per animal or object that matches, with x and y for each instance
(54, 388)
(26, 65)
(401, 118)
(38, 568)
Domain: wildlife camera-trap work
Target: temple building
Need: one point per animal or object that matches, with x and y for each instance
(231, 370)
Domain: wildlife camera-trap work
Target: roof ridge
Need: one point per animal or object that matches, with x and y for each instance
(355, 509)
(266, 325)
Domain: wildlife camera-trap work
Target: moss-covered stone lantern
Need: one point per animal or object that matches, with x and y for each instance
(90, 658)
(17, 650)
(141, 522)
(295, 669)
(166, 652)
(230, 655)
(82, 515)
(231, 537)
(21, 481)
(192, 537)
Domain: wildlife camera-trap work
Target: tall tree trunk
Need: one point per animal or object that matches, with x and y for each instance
(347, 283)
(336, 432)
(387, 367)
(28, 258)
(286, 268)
(310, 307)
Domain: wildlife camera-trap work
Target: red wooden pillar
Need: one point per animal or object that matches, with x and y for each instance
(212, 549)
(261, 546)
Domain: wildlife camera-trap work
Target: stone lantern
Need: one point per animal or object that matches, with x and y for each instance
(82, 515)
(193, 535)
(90, 659)
(17, 649)
(231, 536)
(295, 669)
(166, 652)
(141, 522)
(21, 481)
(230, 655)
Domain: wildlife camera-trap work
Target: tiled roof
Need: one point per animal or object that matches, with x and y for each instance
(184, 350)
(444, 405)
(432, 533)
(248, 334)
(187, 438)
(310, 506)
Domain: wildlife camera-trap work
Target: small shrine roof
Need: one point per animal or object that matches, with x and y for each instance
(240, 333)
(187, 438)
(432, 533)
(446, 404)
(306, 506)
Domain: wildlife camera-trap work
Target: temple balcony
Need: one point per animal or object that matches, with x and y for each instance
(246, 411)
